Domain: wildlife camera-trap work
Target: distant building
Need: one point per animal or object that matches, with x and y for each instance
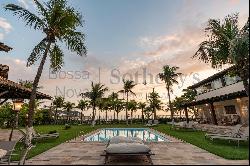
(221, 99)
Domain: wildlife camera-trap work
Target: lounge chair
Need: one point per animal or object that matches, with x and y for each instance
(9, 146)
(150, 122)
(244, 136)
(122, 139)
(233, 133)
(37, 136)
(184, 125)
(155, 123)
(126, 146)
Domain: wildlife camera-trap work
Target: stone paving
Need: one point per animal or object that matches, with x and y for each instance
(175, 152)
(76, 152)
(5, 133)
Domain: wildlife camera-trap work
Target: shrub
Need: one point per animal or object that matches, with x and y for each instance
(67, 126)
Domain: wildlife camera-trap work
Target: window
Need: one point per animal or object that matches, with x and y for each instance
(231, 80)
(230, 109)
(217, 84)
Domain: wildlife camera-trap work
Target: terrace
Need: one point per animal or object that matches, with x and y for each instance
(185, 147)
(122, 115)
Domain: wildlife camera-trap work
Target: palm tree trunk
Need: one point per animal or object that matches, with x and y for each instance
(99, 118)
(67, 116)
(127, 110)
(154, 113)
(213, 114)
(93, 116)
(186, 114)
(170, 104)
(56, 116)
(29, 128)
(142, 115)
(131, 117)
(81, 116)
(106, 116)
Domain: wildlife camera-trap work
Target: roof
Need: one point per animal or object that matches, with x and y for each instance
(229, 96)
(17, 91)
(4, 47)
(211, 78)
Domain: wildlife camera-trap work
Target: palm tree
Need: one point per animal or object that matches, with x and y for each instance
(142, 105)
(177, 104)
(119, 106)
(68, 106)
(169, 76)
(58, 22)
(106, 107)
(113, 97)
(132, 106)
(148, 112)
(189, 96)
(58, 102)
(227, 43)
(97, 92)
(154, 102)
(127, 89)
(82, 105)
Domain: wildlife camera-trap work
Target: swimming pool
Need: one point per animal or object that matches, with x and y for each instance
(145, 134)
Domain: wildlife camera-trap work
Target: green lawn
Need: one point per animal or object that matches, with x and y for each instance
(221, 148)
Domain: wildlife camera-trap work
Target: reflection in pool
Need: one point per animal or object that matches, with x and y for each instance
(143, 133)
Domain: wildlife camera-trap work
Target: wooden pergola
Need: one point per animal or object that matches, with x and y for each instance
(12, 90)
(4, 47)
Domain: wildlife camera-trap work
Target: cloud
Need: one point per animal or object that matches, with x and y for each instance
(26, 3)
(17, 65)
(5, 25)
(170, 44)
(234, 2)
(1, 36)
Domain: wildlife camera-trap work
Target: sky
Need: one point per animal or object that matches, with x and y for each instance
(131, 39)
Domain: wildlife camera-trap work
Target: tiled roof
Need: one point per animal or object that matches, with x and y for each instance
(4, 47)
(17, 91)
(211, 78)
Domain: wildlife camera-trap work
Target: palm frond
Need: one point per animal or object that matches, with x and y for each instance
(31, 19)
(132, 93)
(56, 58)
(41, 9)
(75, 42)
(37, 52)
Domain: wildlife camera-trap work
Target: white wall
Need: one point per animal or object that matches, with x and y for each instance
(222, 91)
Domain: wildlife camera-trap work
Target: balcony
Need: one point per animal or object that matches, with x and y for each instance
(221, 91)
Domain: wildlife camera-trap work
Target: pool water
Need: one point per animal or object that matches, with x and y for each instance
(145, 134)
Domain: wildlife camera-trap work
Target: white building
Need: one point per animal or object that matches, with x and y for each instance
(221, 99)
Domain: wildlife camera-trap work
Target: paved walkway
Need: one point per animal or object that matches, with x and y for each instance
(5, 133)
(88, 153)
(77, 152)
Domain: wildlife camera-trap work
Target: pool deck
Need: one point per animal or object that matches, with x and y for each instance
(77, 152)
